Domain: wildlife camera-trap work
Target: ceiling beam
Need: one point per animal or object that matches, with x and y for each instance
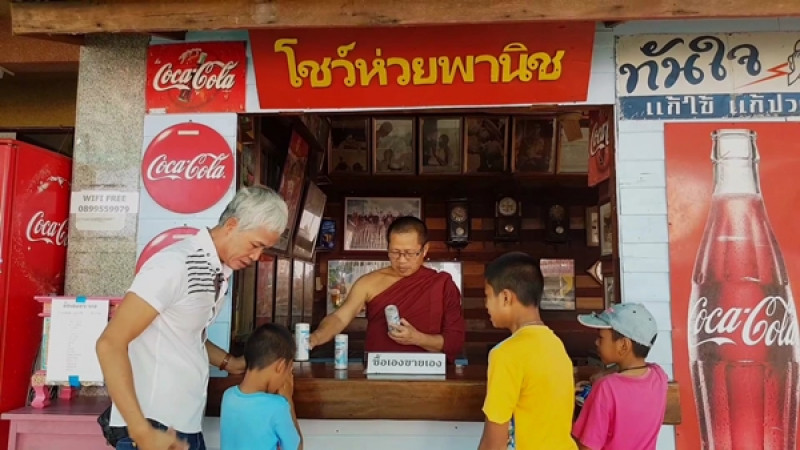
(148, 16)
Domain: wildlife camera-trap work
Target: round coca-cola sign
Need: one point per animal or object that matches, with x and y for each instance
(188, 168)
(162, 241)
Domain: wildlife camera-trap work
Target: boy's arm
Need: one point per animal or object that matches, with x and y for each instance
(286, 428)
(287, 391)
(495, 436)
(502, 394)
(591, 429)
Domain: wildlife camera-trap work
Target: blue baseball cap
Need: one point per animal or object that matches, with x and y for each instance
(631, 320)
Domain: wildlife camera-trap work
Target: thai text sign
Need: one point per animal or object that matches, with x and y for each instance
(447, 65)
(196, 77)
(708, 76)
(406, 363)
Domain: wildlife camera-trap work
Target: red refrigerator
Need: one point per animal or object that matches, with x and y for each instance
(34, 208)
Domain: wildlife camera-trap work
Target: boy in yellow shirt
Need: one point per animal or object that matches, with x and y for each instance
(530, 393)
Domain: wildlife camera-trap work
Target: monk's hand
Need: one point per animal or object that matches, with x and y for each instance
(405, 333)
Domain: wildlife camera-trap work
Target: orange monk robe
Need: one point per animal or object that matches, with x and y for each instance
(428, 300)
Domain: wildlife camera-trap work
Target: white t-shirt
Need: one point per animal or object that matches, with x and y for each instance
(169, 360)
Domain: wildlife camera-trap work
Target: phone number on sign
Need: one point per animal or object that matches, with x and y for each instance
(103, 208)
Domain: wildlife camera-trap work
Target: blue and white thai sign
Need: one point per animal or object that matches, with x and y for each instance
(736, 75)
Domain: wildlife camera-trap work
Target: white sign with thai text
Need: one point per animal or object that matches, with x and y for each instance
(691, 76)
(406, 363)
(75, 326)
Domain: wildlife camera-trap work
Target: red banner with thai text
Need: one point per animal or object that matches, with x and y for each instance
(442, 65)
(196, 77)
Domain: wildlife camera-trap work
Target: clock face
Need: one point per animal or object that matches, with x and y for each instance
(507, 206)
(458, 214)
(557, 212)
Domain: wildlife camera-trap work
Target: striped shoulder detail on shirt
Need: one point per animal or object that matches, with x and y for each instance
(200, 275)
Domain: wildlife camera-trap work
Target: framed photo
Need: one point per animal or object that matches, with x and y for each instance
(486, 143)
(573, 147)
(606, 230)
(367, 219)
(559, 284)
(349, 146)
(291, 189)
(393, 145)
(608, 290)
(308, 292)
(265, 289)
(534, 145)
(326, 241)
(592, 224)
(343, 273)
(305, 238)
(298, 291)
(440, 141)
(283, 290)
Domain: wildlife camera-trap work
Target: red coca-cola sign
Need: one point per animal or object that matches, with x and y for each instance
(196, 77)
(162, 241)
(601, 146)
(50, 230)
(188, 168)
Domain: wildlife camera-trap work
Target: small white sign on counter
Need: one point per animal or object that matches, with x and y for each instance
(406, 363)
(102, 210)
(75, 326)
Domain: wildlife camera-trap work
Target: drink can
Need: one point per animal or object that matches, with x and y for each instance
(392, 316)
(302, 332)
(581, 397)
(340, 352)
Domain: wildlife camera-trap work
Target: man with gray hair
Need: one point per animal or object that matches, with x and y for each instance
(154, 353)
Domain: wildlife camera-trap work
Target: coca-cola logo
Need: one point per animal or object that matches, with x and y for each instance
(188, 168)
(771, 322)
(598, 144)
(212, 75)
(51, 232)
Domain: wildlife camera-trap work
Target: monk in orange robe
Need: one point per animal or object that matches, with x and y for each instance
(428, 301)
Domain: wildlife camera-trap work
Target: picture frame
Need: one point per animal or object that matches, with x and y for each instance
(573, 147)
(609, 290)
(534, 145)
(283, 290)
(349, 146)
(559, 284)
(298, 291)
(342, 274)
(485, 144)
(393, 145)
(308, 292)
(291, 188)
(305, 238)
(367, 218)
(606, 229)
(440, 144)
(592, 224)
(265, 290)
(326, 240)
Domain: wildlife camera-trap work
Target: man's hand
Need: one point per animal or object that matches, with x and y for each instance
(236, 365)
(154, 439)
(405, 334)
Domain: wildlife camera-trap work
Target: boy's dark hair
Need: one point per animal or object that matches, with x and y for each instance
(407, 224)
(267, 344)
(639, 350)
(519, 273)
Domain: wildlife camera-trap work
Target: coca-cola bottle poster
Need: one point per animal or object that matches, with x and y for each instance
(734, 245)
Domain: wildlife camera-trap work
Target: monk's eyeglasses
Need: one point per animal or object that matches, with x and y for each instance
(408, 255)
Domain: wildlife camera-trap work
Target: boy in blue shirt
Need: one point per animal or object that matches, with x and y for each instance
(257, 414)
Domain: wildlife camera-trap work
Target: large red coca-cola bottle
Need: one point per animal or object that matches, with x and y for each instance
(743, 333)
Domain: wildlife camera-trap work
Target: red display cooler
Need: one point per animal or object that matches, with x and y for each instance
(34, 209)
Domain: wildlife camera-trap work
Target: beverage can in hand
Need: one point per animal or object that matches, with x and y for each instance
(392, 316)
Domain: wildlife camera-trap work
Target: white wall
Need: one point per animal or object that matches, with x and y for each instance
(641, 193)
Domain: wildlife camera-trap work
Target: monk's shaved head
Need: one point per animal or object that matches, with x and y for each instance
(408, 224)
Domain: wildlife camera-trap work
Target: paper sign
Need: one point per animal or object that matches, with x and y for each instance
(103, 210)
(406, 363)
(74, 329)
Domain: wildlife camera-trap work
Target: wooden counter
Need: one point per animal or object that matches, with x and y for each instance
(320, 392)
